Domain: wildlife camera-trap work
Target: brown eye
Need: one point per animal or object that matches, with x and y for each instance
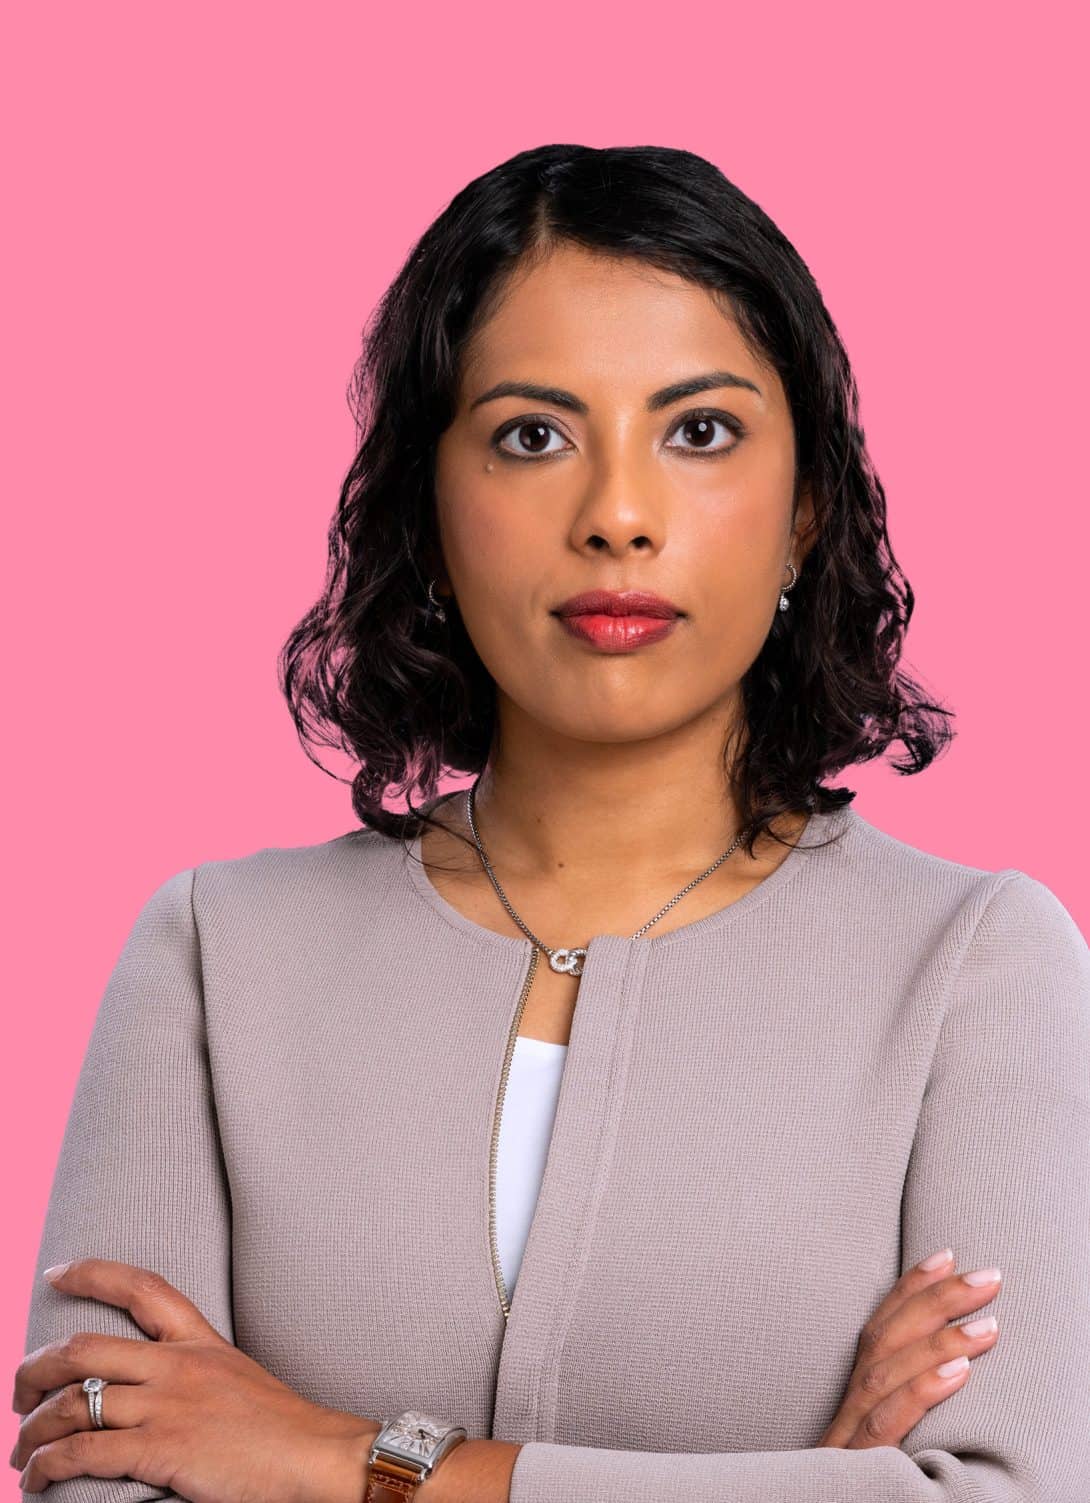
(698, 430)
(529, 439)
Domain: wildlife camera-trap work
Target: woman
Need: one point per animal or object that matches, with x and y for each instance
(639, 1121)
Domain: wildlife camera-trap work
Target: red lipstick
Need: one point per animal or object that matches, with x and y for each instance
(618, 620)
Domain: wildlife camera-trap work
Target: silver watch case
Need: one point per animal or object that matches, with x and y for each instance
(417, 1440)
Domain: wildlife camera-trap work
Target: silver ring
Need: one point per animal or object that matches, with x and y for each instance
(93, 1387)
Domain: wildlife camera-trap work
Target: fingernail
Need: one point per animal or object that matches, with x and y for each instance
(54, 1272)
(952, 1368)
(937, 1259)
(982, 1327)
(983, 1276)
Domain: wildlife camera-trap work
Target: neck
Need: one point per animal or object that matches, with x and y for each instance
(603, 815)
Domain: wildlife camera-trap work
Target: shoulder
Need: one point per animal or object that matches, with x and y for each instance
(1003, 900)
(1024, 979)
(967, 920)
(273, 882)
(1004, 958)
(877, 853)
(317, 872)
(1000, 961)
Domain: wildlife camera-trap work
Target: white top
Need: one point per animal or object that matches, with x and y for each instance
(526, 1125)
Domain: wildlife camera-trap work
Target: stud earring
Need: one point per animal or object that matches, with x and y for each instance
(784, 602)
(440, 613)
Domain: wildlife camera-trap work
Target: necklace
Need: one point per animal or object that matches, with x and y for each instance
(569, 959)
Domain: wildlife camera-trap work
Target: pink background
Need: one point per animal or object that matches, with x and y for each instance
(209, 200)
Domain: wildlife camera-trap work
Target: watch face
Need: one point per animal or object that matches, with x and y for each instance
(414, 1434)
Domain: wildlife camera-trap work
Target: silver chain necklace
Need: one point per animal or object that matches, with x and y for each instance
(569, 960)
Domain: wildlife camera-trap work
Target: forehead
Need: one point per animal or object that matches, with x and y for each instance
(579, 316)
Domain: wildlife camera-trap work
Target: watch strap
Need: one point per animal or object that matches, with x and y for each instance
(387, 1482)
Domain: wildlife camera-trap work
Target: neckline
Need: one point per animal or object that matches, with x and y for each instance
(819, 827)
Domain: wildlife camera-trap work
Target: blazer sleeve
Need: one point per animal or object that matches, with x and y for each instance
(999, 1170)
(140, 1176)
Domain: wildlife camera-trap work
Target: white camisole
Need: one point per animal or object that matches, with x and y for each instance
(526, 1125)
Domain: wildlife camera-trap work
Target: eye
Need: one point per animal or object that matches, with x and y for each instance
(700, 426)
(531, 435)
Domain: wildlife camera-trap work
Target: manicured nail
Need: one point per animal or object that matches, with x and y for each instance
(54, 1272)
(937, 1259)
(983, 1276)
(953, 1368)
(982, 1327)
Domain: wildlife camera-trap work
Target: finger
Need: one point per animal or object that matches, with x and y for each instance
(90, 1453)
(928, 1310)
(85, 1354)
(68, 1410)
(890, 1420)
(871, 1384)
(911, 1282)
(160, 1309)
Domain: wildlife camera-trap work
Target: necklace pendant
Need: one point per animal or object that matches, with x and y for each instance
(568, 962)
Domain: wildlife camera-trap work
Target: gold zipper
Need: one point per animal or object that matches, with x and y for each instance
(501, 1287)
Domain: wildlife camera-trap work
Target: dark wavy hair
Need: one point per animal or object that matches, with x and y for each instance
(366, 670)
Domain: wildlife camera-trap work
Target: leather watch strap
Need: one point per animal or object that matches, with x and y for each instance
(389, 1483)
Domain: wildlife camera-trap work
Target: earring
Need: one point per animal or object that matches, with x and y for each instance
(440, 613)
(784, 602)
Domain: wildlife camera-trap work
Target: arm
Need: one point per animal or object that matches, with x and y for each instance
(1000, 1171)
(140, 1176)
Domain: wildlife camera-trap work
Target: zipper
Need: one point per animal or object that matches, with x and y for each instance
(501, 1287)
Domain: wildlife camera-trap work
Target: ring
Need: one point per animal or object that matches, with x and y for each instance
(93, 1387)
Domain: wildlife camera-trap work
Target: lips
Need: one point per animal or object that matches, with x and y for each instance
(618, 620)
(636, 603)
(619, 633)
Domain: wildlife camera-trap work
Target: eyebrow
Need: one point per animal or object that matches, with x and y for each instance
(557, 397)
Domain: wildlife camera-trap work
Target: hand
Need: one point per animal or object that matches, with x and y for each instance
(895, 1381)
(186, 1411)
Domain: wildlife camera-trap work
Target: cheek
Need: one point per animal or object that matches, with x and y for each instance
(496, 565)
(734, 567)
(736, 552)
(478, 536)
(475, 528)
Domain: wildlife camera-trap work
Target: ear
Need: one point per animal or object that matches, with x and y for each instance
(805, 530)
(435, 569)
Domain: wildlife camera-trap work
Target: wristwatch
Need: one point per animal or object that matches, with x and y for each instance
(405, 1452)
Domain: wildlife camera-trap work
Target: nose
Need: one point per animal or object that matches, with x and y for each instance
(618, 509)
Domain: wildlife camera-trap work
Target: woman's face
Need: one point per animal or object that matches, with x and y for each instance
(689, 497)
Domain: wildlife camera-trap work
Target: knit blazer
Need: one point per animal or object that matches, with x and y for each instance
(288, 1108)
